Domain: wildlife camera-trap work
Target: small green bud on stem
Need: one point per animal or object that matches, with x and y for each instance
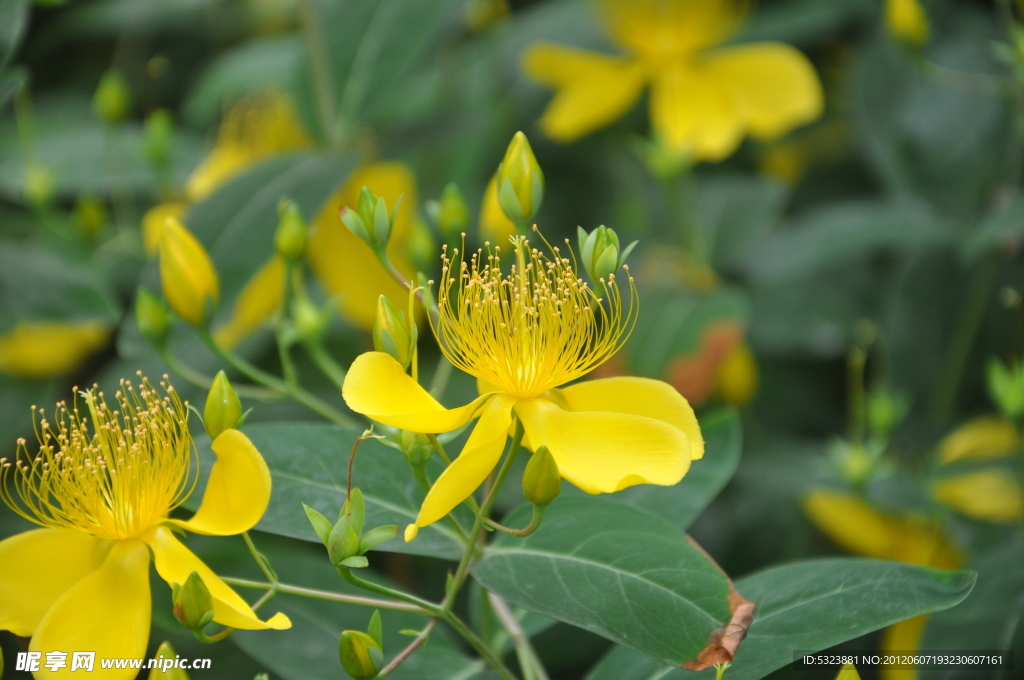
(520, 182)
(290, 239)
(223, 410)
(371, 220)
(193, 604)
(392, 333)
(153, 317)
(112, 100)
(541, 480)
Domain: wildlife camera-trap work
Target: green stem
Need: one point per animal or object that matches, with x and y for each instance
(323, 83)
(260, 560)
(441, 375)
(291, 374)
(531, 665)
(323, 360)
(359, 582)
(323, 595)
(266, 597)
(855, 361)
(204, 381)
(479, 645)
(538, 517)
(407, 652)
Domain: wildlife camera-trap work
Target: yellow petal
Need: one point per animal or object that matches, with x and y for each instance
(696, 113)
(37, 567)
(479, 456)
(342, 261)
(660, 29)
(638, 396)
(255, 304)
(601, 451)
(174, 562)
(980, 438)
(863, 530)
(237, 492)
(378, 387)
(907, 21)
(153, 223)
(495, 226)
(187, 274)
(777, 82)
(42, 349)
(592, 90)
(107, 612)
(989, 495)
(848, 672)
(902, 637)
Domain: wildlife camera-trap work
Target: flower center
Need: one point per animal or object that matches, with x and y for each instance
(113, 474)
(533, 329)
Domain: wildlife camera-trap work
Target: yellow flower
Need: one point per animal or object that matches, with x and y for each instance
(344, 263)
(258, 300)
(904, 636)
(704, 99)
(101, 486)
(523, 335)
(989, 495)
(187, 274)
(907, 21)
(42, 349)
(495, 226)
(981, 438)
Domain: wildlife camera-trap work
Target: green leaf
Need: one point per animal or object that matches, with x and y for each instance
(612, 570)
(13, 21)
(813, 605)
(737, 211)
(11, 81)
(1001, 226)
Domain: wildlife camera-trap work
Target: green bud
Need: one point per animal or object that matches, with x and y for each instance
(361, 656)
(421, 246)
(600, 252)
(38, 185)
(885, 410)
(223, 410)
(166, 669)
(193, 605)
(153, 317)
(112, 99)
(90, 215)
(343, 541)
(450, 214)
(262, 676)
(541, 479)
(520, 181)
(371, 220)
(392, 334)
(290, 239)
(156, 145)
(1006, 387)
(416, 448)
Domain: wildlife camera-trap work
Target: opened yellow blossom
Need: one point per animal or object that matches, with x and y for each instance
(704, 98)
(523, 335)
(43, 349)
(102, 486)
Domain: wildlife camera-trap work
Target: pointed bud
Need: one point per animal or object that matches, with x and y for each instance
(392, 334)
(38, 185)
(361, 655)
(223, 410)
(165, 664)
(541, 479)
(186, 272)
(152, 317)
(112, 99)
(600, 252)
(450, 214)
(90, 215)
(520, 181)
(310, 322)
(371, 221)
(416, 448)
(290, 239)
(156, 145)
(1006, 387)
(193, 605)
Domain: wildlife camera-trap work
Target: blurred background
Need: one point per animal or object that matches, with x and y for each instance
(834, 250)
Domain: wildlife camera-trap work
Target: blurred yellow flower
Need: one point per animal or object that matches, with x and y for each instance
(737, 375)
(102, 486)
(848, 672)
(258, 300)
(988, 495)
(907, 21)
(523, 335)
(495, 226)
(981, 438)
(42, 349)
(153, 223)
(704, 98)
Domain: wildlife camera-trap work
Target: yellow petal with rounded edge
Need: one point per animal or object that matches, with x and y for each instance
(495, 226)
(863, 530)
(344, 263)
(980, 438)
(638, 396)
(258, 300)
(777, 83)
(153, 223)
(237, 492)
(42, 349)
(107, 612)
(696, 113)
(661, 30)
(187, 274)
(906, 21)
(37, 567)
(479, 456)
(989, 495)
(602, 452)
(592, 90)
(378, 387)
(900, 638)
(174, 562)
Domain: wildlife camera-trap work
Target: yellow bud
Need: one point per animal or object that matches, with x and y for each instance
(167, 670)
(152, 317)
(737, 376)
(361, 655)
(112, 99)
(520, 181)
(290, 239)
(494, 223)
(38, 185)
(153, 223)
(223, 410)
(392, 334)
(907, 21)
(411, 532)
(186, 272)
(193, 604)
(90, 215)
(541, 480)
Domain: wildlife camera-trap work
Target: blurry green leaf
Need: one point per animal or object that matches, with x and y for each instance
(612, 570)
(13, 21)
(738, 211)
(813, 605)
(308, 463)
(805, 21)
(998, 228)
(11, 80)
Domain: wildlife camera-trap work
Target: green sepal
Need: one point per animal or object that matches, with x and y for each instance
(355, 562)
(375, 537)
(376, 628)
(321, 525)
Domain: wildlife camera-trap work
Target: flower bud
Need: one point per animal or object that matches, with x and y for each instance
(737, 376)
(392, 334)
(1006, 387)
(223, 410)
(193, 604)
(156, 145)
(416, 448)
(112, 99)
(38, 185)
(450, 214)
(541, 479)
(165, 665)
(361, 655)
(421, 247)
(186, 272)
(600, 252)
(885, 410)
(90, 215)
(152, 317)
(520, 181)
(371, 220)
(343, 541)
(290, 239)
(906, 21)
(310, 322)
